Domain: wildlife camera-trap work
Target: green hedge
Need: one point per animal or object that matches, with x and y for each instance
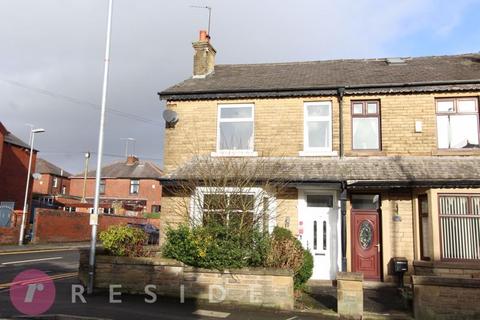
(218, 247)
(124, 241)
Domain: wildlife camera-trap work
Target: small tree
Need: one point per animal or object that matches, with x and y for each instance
(238, 194)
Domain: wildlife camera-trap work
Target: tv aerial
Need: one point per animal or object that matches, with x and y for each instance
(209, 15)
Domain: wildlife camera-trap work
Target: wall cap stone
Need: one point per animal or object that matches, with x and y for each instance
(350, 276)
(445, 282)
(446, 265)
(250, 271)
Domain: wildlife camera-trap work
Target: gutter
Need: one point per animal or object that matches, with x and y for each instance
(165, 95)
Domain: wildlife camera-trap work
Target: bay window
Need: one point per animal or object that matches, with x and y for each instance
(238, 208)
(460, 227)
(457, 123)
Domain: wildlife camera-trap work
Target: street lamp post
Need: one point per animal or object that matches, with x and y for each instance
(98, 175)
(24, 213)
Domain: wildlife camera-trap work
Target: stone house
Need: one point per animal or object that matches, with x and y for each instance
(381, 156)
(128, 187)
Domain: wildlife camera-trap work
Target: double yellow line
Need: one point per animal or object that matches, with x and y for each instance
(36, 280)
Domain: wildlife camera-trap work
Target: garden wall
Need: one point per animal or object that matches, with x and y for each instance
(447, 269)
(62, 226)
(271, 288)
(10, 235)
(445, 298)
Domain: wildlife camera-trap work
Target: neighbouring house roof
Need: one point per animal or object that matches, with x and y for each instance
(44, 167)
(120, 169)
(12, 139)
(357, 76)
(354, 170)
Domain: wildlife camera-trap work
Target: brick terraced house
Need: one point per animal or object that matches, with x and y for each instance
(381, 156)
(14, 157)
(53, 180)
(128, 187)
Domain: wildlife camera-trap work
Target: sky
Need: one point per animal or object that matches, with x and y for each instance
(52, 56)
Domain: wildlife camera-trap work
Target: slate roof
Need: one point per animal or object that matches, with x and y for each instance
(434, 73)
(12, 139)
(120, 169)
(44, 167)
(354, 170)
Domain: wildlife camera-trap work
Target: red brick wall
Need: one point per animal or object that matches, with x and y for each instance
(11, 234)
(13, 174)
(150, 189)
(61, 226)
(45, 185)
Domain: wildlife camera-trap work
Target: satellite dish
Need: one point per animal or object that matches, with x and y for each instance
(36, 176)
(170, 117)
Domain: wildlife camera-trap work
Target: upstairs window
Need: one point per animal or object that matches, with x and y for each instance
(235, 127)
(102, 186)
(134, 186)
(366, 125)
(55, 182)
(318, 126)
(457, 123)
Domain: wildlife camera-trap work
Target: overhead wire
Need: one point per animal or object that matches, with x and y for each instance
(77, 101)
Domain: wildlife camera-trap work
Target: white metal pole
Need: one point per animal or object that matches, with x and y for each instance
(94, 218)
(24, 213)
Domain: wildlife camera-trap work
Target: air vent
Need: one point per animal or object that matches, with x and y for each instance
(395, 61)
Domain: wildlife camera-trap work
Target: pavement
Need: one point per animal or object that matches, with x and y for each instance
(61, 264)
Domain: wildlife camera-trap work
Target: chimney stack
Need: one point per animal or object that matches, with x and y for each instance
(131, 160)
(204, 58)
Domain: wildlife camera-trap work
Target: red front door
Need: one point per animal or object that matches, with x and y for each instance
(366, 243)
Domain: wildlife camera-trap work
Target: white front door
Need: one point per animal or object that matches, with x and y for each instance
(318, 222)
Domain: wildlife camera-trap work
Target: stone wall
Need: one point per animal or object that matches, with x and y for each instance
(196, 132)
(62, 226)
(251, 287)
(445, 298)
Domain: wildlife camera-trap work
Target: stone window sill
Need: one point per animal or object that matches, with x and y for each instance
(234, 153)
(456, 152)
(318, 153)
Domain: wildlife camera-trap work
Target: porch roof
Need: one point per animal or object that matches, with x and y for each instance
(355, 171)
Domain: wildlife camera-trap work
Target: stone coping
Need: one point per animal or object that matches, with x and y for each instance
(158, 261)
(447, 265)
(445, 282)
(350, 276)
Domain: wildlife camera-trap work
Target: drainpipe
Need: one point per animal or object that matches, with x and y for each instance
(343, 192)
(340, 94)
(343, 212)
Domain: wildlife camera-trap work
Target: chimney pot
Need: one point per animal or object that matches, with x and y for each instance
(132, 160)
(203, 35)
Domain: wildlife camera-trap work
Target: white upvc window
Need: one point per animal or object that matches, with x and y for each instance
(210, 202)
(235, 129)
(55, 182)
(457, 123)
(317, 135)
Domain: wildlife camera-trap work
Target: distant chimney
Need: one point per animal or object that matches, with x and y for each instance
(132, 160)
(204, 59)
